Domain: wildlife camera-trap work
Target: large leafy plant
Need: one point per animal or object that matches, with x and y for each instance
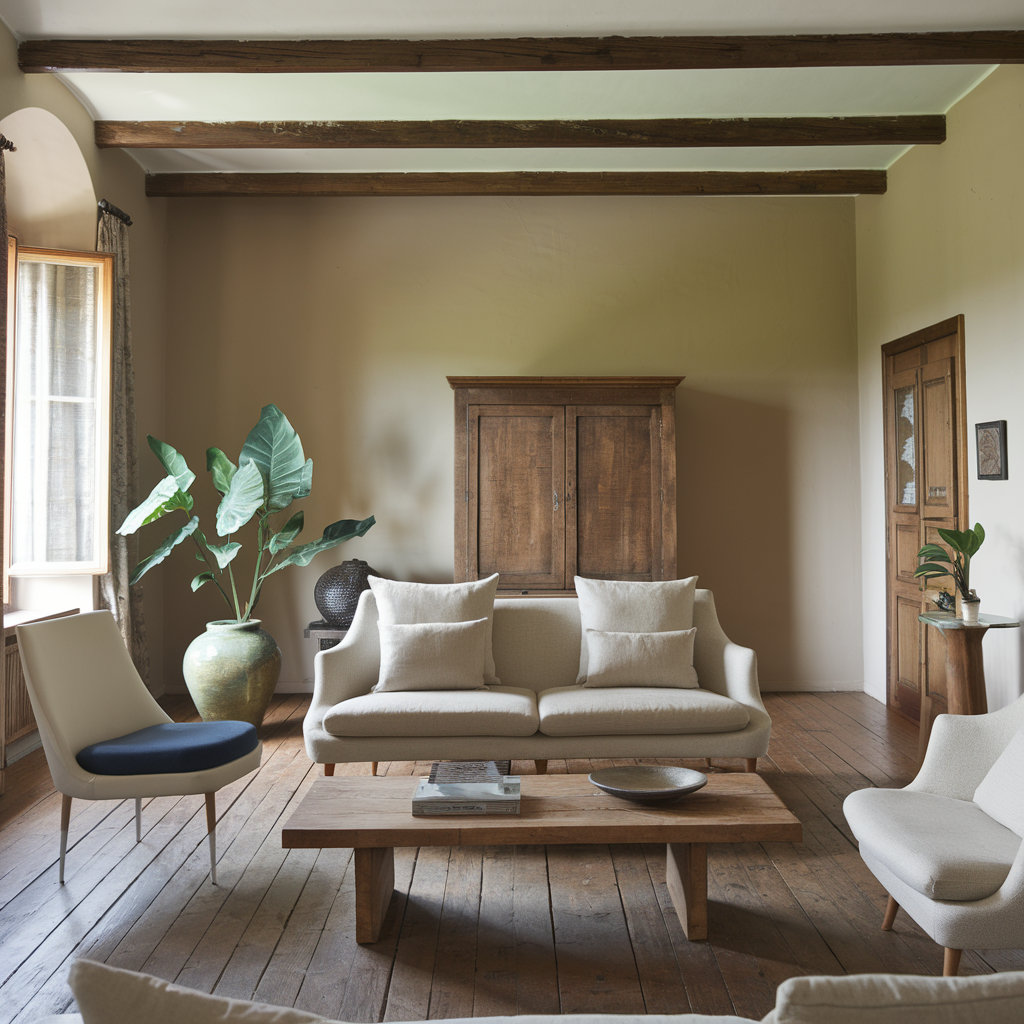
(272, 472)
(963, 544)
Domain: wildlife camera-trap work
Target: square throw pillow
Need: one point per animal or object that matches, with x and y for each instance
(1001, 793)
(622, 606)
(431, 656)
(405, 603)
(641, 659)
(110, 995)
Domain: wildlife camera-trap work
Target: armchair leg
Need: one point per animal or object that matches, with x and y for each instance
(65, 821)
(541, 767)
(211, 828)
(751, 764)
(890, 915)
(138, 819)
(328, 769)
(950, 962)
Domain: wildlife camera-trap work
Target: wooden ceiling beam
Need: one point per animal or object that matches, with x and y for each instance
(521, 183)
(656, 132)
(616, 53)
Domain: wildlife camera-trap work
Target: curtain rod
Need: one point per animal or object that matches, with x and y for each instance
(5, 143)
(115, 212)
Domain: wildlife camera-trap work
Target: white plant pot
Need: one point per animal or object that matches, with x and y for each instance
(970, 612)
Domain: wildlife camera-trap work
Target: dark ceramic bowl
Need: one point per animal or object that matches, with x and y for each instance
(649, 784)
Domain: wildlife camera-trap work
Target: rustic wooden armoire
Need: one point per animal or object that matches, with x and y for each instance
(564, 476)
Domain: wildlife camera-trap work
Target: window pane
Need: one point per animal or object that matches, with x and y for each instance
(56, 382)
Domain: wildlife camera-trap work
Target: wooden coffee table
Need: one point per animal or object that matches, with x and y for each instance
(374, 815)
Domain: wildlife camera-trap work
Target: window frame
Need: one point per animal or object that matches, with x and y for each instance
(104, 264)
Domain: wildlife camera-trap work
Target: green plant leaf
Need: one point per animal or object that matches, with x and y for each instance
(243, 498)
(158, 504)
(929, 569)
(224, 553)
(305, 481)
(979, 532)
(163, 550)
(203, 577)
(954, 538)
(172, 462)
(335, 534)
(933, 551)
(288, 533)
(275, 447)
(221, 468)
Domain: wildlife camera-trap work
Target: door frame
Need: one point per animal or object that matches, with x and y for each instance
(952, 326)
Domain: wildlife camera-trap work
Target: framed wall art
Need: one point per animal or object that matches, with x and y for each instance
(991, 439)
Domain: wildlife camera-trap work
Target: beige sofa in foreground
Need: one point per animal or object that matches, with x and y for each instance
(538, 712)
(108, 995)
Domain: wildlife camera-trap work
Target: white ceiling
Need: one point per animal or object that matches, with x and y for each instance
(563, 95)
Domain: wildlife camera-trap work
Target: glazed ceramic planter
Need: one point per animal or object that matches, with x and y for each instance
(231, 671)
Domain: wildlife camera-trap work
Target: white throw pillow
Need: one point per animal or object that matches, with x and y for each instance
(399, 602)
(431, 656)
(110, 995)
(899, 999)
(641, 659)
(626, 607)
(1001, 793)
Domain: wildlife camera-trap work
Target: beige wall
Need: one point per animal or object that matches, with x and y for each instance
(349, 313)
(116, 177)
(948, 238)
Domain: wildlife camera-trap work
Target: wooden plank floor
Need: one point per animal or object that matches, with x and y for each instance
(471, 931)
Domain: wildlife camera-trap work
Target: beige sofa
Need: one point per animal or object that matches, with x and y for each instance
(538, 712)
(109, 995)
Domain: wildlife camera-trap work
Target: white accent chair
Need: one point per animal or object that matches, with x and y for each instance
(85, 690)
(954, 869)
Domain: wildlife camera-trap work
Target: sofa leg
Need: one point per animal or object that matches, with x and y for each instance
(373, 767)
(890, 915)
(707, 762)
(541, 767)
(950, 962)
(328, 769)
(751, 764)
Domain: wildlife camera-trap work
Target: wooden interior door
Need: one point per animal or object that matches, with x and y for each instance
(926, 490)
(516, 499)
(614, 492)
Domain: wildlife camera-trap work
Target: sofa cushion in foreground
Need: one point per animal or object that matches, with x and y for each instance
(900, 999)
(110, 995)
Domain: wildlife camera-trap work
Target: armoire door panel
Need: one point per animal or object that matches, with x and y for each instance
(517, 510)
(614, 467)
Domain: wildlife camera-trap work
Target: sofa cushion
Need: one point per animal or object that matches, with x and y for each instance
(494, 711)
(1001, 793)
(431, 656)
(637, 711)
(900, 999)
(629, 607)
(640, 659)
(439, 602)
(169, 748)
(945, 849)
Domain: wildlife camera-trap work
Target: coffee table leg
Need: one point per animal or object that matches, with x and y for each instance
(375, 882)
(686, 872)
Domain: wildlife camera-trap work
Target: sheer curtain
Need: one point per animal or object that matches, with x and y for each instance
(124, 602)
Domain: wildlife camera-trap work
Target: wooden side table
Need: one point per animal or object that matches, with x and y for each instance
(325, 636)
(965, 666)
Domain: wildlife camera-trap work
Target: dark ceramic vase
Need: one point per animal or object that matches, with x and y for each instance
(337, 592)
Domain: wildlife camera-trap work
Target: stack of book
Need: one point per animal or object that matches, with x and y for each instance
(478, 787)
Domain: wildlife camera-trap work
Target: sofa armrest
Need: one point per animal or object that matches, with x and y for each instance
(723, 666)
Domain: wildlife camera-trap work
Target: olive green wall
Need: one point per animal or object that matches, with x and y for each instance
(948, 238)
(349, 313)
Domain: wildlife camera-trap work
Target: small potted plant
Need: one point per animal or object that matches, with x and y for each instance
(231, 670)
(963, 544)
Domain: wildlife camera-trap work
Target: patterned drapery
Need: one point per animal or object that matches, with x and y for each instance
(124, 602)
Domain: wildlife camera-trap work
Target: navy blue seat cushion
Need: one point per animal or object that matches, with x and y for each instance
(170, 747)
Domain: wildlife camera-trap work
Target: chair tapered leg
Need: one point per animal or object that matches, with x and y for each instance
(890, 915)
(138, 819)
(211, 828)
(541, 767)
(328, 769)
(950, 962)
(751, 764)
(65, 821)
